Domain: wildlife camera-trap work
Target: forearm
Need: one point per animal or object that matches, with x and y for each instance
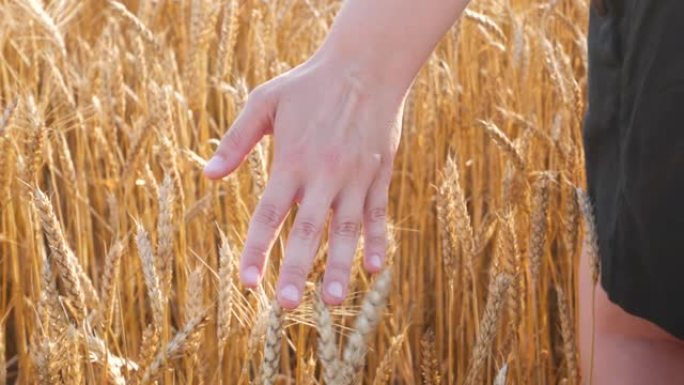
(389, 40)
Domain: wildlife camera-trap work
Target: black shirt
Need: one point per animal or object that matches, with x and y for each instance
(634, 147)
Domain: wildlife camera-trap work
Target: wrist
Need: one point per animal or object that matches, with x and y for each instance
(370, 66)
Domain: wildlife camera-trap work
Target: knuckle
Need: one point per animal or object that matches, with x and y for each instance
(234, 139)
(294, 271)
(376, 240)
(335, 159)
(346, 228)
(341, 266)
(255, 252)
(268, 215)
(257, 95)
(306, 229)
(377, 214)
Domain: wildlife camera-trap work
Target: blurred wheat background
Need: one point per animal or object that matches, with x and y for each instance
(118, 259)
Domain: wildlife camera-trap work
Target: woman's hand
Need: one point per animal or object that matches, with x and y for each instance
(336, 133)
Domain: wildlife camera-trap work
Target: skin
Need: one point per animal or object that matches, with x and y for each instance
(336, 120)
(336, 124)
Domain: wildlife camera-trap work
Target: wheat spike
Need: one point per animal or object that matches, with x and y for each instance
(571, 217)
(139, 26)
(257, 166)
(455, 219)
(486, 22)
(327, 342)
(429, 364)
(383, 372)
(147, 259)
(165, 234)
(227, 39)
(195, 305)
(591, 246)
(225, 292)
(109, 280)
(35, 8)
(488, 327)
(72, 372)
(35, 151)
(505, 144)
(371, 309)
(63, 257)
(271, 362)
(149, 346)
(538, 225)
(175, 346)
(568, 334)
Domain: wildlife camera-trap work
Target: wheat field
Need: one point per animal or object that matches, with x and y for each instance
(118, 259)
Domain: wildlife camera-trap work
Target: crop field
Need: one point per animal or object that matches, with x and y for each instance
(118, 259)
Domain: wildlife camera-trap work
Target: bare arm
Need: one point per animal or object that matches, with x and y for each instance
(336, 120)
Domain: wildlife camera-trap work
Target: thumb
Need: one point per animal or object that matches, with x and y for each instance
(250, 126)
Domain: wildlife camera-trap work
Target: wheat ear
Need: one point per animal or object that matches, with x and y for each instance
(225, 292)
(63, 258)
(568, 334)
(175, 346)
(271, 362)
(147, 259)
(488, 327)
(327, 342)
(429, 363)
(371, 309)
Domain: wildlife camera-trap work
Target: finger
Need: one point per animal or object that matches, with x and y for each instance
(343, 238)
(249, 127)
(375, 220)
(265, 226)
(301, 247)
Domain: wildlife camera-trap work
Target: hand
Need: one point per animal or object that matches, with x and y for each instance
(336, 134)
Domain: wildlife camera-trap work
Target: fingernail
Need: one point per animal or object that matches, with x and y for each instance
(375, 261)
(250, 276)
(289, 293)
(335, 289)
(214, 166)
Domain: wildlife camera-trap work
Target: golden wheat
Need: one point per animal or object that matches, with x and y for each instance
(109, 264)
